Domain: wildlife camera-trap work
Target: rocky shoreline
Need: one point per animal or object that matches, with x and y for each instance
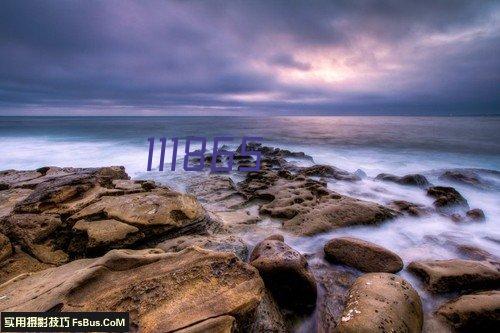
(91, 239)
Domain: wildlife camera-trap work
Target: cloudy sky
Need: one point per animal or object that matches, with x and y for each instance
(249, 57)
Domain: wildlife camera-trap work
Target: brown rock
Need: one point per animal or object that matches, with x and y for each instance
(19, 264)
(218, 193)
(286, 274)
(476, 214)
(217, 242)
(382, 302)
(456, 274)
(69, 185)
(447, 198)
(162, 292)
(333, 287)
(160, 211)
(308, 206)
(5, 247)
(221, 324)
(412, 180)
(9, 199)
(409, 208)
(268, 317)
(328, 171)
(469, 177)
(41, 235)
(362, 255)
(102, 235)
(473, 313)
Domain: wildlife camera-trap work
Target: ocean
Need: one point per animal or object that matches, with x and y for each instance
(397, 145)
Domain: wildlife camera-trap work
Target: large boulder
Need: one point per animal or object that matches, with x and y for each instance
(478, 312)
(162, 292)
(412, 180)
(362, 255)
(447, 199)
(456, 274)
(382, 302)
(286, 274)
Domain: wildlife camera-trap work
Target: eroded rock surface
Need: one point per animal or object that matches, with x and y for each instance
(456, 274)
(162, 292)
(59, 214)
(362, 255)
(286, 274)
(5, 247)
(382, 302)
(308, 206)
(218, 242)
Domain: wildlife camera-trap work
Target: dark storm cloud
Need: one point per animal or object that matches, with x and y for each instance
(268, 56)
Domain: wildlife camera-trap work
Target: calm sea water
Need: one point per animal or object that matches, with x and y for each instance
(398, 145)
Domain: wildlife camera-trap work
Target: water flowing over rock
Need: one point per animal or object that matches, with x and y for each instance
(286, 274)
(363, 255)
(478, 312)
(162, 292)
(382, 302)
(412, 180)
(308, 206)
(447, 199)
(456, 274)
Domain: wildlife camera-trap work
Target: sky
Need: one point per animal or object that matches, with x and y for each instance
(249, 57)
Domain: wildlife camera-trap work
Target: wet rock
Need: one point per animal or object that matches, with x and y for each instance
(473, 313)
(222, 324)
(476, 214)
(268, 317)
(17, 179)
(159, 212)
(470, 177)
(5, 247)
(41, 235)
(409, 208)
(475, 253)
(360, 174)
(219, 242)
(411, 180)
(328, 171)
(456, 274)
(362, 255)
(19, 264)
(286, 274)
(149, 284)
(447, 198)
(333, 286)
(382, 302)
(94, 237)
